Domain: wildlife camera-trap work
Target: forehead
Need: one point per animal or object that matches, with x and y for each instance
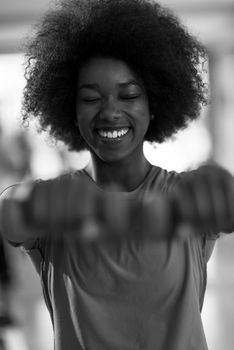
(101, 69)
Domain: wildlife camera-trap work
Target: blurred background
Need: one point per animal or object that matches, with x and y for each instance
(25, 153)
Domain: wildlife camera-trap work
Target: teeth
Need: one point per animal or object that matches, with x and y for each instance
(113, 134)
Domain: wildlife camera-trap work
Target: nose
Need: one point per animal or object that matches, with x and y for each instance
(110, 110)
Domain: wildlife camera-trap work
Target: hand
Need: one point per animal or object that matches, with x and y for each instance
(205, 198)
(68, 205)
(76, 207)
(73, 206)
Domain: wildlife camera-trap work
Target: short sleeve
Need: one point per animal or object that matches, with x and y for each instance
(210, 239)
(34, 248)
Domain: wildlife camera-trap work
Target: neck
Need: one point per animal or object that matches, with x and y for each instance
(124, 175)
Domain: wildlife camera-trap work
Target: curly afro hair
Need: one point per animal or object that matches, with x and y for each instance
(148, 37)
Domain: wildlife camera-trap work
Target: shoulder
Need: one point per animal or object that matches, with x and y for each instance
(162, 180)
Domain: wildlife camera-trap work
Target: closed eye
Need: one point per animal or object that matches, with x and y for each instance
(90, 99)
(129, 97)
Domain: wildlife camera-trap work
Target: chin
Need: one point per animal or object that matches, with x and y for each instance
(110, 157)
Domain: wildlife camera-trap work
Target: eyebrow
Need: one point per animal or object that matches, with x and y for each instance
(96, 86)
(88, 86)
(130, 82)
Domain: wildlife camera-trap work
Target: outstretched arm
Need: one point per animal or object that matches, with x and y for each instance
(65, 205)
(205, 198)
(72, 206)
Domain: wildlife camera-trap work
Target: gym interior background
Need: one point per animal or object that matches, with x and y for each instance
(24, 154)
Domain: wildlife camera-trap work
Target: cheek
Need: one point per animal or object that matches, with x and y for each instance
(143, 115)
(82, 126)
(143, 107)
(82, 117)
(86, 113)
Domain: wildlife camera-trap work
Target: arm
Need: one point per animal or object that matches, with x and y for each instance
(74, 207)
(32, 210)
(65, 205)
(205, 198)
(12, 220)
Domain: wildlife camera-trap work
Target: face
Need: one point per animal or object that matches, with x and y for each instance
(112, 109)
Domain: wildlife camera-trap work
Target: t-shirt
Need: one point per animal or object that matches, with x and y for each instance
(126, 294)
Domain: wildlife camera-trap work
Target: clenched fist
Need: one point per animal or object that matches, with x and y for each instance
(205, 198)
(74, 206)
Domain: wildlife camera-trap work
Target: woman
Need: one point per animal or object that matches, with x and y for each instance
(120, 266)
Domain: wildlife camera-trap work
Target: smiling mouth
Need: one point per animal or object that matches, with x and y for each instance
(113, 134)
